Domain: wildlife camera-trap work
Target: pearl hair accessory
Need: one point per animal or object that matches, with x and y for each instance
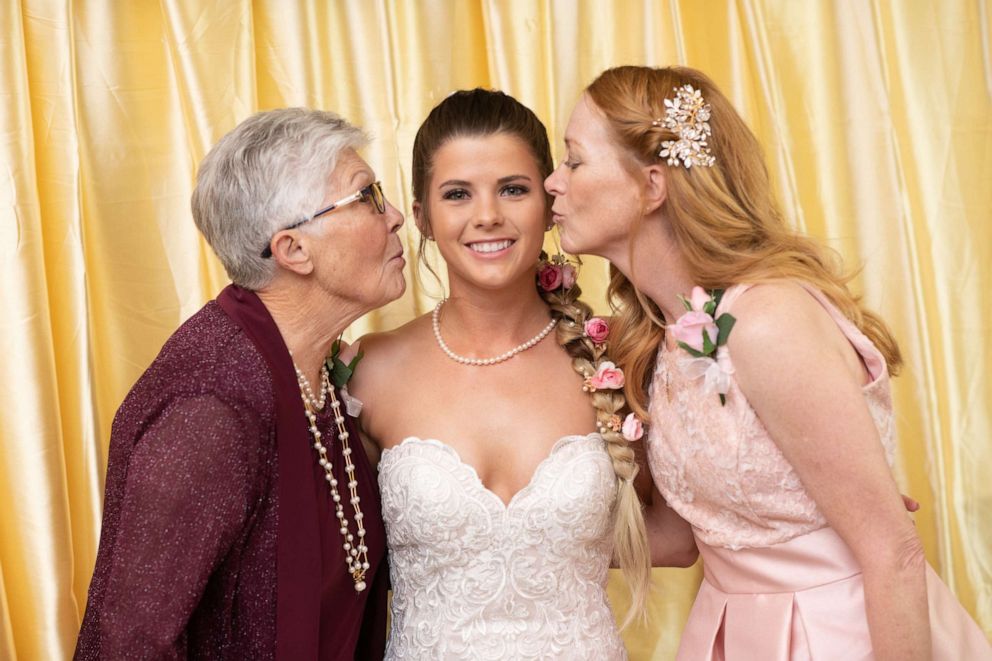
(355, 552)
(436, 322)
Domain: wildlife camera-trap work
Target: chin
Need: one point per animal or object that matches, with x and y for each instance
(398, 290)
(570, 246)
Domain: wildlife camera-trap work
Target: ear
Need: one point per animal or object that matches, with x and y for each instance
(655, 187)
(291, 251)
(421, 219)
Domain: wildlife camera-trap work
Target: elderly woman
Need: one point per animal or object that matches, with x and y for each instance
(241, 516)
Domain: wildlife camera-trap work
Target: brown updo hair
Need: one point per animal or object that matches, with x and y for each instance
(480, 112)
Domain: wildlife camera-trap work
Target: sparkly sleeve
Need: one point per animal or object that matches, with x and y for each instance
(186, 499)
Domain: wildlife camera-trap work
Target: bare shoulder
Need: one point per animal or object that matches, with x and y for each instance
(781, 323)
(777, 314)
(384, 353)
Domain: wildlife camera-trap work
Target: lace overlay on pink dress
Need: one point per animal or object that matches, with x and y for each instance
(779, 583)
(718, 467)
(476, 579)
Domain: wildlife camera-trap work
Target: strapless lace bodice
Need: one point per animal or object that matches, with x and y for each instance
(476, 579)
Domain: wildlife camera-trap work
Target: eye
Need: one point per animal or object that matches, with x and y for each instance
(570, 163)
(514, 190)
(455, 194)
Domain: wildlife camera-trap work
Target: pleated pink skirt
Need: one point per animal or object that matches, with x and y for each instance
(804, 599)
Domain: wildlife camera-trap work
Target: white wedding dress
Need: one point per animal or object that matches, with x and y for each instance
(473, 578)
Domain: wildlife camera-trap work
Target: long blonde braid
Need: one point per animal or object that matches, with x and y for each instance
(630, 542)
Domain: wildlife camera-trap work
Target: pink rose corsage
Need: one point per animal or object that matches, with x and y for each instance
(705, 338)
(341, 364)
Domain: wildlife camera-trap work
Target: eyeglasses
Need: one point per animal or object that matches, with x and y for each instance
(372, 192)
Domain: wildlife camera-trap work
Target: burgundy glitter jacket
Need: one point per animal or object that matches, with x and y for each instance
(219, 539)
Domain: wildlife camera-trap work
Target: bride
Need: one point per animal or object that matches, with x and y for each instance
(507, 486)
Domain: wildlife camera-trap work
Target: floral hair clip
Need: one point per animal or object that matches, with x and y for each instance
(705, 338)
(632, 427)
(688, 117)
(596, 329)
(606, 377)
(555, 273)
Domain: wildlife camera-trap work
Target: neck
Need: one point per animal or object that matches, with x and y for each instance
(656, 268)
(484, 322)
(309, 321)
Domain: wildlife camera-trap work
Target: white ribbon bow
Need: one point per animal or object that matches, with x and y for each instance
(715, 371)
(352, 405)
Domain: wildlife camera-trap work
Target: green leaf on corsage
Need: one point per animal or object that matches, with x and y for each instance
(341, 372)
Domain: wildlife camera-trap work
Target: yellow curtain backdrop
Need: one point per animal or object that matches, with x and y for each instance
(876, 117)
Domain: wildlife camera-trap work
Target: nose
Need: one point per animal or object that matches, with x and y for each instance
(555, 183)
(487, 212)
(394, 219)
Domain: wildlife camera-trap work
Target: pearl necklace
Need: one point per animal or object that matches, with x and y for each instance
(436, 322)
(355, 554)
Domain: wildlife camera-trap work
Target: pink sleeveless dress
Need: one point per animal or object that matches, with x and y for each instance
(778, 583)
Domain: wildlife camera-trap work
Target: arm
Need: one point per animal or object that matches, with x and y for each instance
(185, 502)
(367, 385)
(670, 537)
(803, 379)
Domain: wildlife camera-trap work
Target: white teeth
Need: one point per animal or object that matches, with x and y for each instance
(490, 246)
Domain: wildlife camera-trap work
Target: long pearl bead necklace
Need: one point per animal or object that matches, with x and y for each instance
(355, 553)
(436, 322)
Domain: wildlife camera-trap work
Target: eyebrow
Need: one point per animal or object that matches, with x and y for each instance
(502, 180)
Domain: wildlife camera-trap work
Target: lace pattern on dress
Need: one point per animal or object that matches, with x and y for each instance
(476, 579)
(718, 467)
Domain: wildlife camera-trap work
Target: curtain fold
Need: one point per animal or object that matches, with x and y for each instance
(876, 118)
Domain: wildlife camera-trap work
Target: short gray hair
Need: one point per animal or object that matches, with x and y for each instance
(268, 172)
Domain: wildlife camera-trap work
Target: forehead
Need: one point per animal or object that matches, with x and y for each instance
(494, 155)
(350, 169)
(587, 125)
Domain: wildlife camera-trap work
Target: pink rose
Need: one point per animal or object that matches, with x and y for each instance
(690, 328)
(607, 377)
(348, 351)
(632, 428)
(568, 276)
(597, 330)
(549, 276)
(698, 298)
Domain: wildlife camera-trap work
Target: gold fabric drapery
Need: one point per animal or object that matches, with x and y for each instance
(876, 118)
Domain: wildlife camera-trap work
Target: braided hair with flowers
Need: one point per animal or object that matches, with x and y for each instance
(585, 338)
